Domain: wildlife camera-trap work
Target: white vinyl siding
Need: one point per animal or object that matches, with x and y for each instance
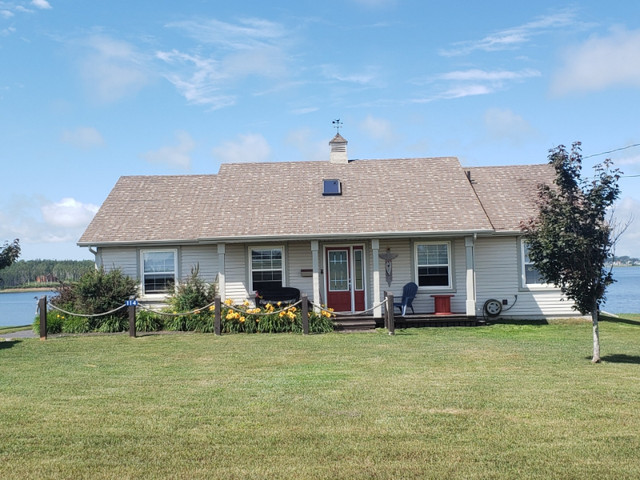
(125, 259)
(205, 258)
(498, 276)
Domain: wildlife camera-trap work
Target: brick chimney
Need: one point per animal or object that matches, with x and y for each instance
(338, 150)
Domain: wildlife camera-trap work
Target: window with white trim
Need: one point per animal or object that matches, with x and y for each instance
(433, 264)
(530, 274)
(159, 269)
(267, 267)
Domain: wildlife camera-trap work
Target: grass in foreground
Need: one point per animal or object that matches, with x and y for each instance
(496, 402)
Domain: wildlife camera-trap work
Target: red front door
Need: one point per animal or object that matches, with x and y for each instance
(345, 278)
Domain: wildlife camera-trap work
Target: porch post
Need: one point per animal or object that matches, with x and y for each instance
(222, 284)
(469, 244)
(375, 248)
(315, 263)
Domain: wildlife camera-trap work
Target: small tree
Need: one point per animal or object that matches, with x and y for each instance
(570, 240)
(10, 252)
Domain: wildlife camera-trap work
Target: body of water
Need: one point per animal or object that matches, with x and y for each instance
(19, 308)
(624, 295)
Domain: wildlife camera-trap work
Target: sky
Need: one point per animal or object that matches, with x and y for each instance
(91, 91)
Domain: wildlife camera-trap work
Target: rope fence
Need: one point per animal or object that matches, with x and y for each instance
(217, 305)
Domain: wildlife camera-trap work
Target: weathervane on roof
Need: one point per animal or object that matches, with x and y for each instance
(337, 124)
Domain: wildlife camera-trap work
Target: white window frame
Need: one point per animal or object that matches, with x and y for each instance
(523, 270)
(449, 266)
(266, 247)
(143, 273)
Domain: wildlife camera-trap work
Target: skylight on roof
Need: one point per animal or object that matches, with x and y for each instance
(332, 187)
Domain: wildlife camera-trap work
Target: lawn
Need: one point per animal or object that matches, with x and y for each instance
(506, 401)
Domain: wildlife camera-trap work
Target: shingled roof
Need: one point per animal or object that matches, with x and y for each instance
(509, 193)
(285, 200)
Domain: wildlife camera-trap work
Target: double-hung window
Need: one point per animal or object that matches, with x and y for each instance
(267, 267)
(433, 264)
(530, 274)
(158, 271)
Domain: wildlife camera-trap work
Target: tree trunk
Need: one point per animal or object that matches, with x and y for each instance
(596, 334)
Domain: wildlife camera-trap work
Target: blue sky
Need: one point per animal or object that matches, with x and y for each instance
(90, 91)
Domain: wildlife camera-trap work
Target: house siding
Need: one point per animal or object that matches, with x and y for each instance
(205, 258)
(498, 277)
(125, 259)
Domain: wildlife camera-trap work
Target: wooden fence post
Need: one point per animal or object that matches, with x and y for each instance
(218, 316)
(132, 319)
(391, 323)
(305, 314)
(42, 305)
(386, 309)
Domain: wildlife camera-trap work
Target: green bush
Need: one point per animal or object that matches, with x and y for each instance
(55, 320)
(148, 321)
(176, 323)
(75, 325)
(97, 292)
(113, 324)
(192, 294)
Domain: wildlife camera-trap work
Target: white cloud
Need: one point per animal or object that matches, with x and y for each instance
(503, 124)
(83, 137)
(226, 55)
(112, 69)
(247, 148)
(43, 4)
(248, 33)
(68, 213)
(489, 76)
(196, 78)
(310, 149)
(367, 77)
(512, 38)
(600, 63)
(378, 129)
(6, 13)
(173, 156)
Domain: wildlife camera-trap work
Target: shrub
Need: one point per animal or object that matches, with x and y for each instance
(55, 321)
(176, 323)
(97, 292)
(193, 293)
(113, 324)
(148, 321)
(75, 325)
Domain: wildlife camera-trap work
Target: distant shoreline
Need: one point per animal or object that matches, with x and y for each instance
(30, 289)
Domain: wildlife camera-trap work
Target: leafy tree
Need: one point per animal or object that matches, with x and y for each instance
(571, 240)
(10, 252)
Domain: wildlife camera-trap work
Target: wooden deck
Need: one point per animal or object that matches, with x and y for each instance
(420, 320)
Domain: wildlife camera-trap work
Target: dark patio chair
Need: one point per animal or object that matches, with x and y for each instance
(409, 292)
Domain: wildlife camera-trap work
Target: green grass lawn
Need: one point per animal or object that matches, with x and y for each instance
(508, 401)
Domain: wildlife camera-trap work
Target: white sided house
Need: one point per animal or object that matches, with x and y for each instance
(341, 231)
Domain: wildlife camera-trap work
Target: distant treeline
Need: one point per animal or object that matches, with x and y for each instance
(45, 272)
(626, 260)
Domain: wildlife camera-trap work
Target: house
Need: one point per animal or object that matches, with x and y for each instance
(342, 231)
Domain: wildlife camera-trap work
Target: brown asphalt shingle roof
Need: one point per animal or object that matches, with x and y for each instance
(509, 193)
(249, 200)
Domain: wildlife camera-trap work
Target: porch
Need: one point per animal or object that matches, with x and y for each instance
(419, 320)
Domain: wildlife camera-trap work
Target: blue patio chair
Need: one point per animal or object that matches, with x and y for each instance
(409, 292)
